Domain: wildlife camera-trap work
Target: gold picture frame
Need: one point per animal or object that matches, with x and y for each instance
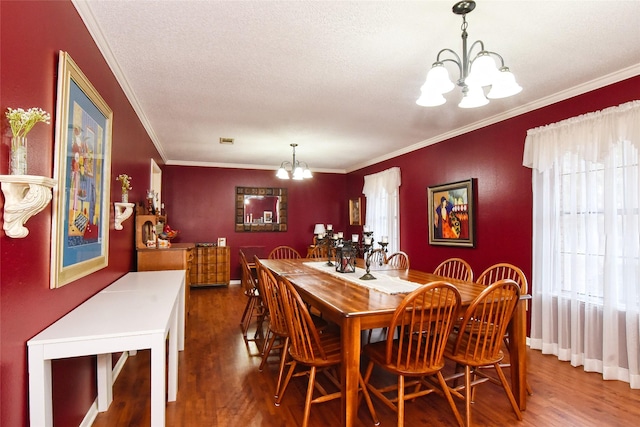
(355, 212)
(81, 202)
(451, 214)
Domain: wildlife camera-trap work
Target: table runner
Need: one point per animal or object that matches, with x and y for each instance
(382, 283)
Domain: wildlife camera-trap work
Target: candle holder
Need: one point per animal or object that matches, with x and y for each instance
(368, 247)
(384, 246)
(328, 241)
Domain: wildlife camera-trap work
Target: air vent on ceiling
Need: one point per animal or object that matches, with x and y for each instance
(226, 141)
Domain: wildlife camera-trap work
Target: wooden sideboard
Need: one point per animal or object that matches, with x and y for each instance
(177, 257)
(211, 266)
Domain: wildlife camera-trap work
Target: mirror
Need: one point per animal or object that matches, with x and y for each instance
(261, 209)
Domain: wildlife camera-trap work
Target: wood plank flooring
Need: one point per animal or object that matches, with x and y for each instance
(220, 385)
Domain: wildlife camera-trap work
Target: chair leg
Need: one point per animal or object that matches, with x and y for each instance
(268, 344)
(447, 394)
(467, 395)
(246, 316)
(507, 390)
(283, 361)
(292, 367)
(307, 401)
(367, 399)
(400, 400)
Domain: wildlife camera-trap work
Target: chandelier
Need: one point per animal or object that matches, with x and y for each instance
(476, 72)
(294, 169)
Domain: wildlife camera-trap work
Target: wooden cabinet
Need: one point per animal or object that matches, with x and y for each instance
(211, 266)
(178, 257)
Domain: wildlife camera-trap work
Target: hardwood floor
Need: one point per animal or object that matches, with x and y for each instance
(220, 385)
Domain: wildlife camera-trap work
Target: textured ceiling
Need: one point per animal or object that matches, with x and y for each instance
(340, 78)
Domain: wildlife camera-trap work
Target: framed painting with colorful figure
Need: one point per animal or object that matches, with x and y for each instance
(451, 214)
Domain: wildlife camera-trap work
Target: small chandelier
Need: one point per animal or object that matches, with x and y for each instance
(475, 73)
(294, 169)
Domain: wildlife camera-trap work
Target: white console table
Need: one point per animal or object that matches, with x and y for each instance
(136, 312)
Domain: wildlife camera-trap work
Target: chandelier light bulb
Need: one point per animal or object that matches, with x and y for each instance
(477, 68)
(483, 71)
(505, 85)
(473, 96)
(438, 79)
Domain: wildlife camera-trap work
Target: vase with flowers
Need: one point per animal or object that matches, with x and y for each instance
(125, 182)
(21, 122)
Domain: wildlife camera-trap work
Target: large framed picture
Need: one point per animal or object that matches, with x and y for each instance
(451, 214)
(80, 231)
(355, 212)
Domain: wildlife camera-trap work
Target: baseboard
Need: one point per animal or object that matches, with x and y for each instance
(92, 413)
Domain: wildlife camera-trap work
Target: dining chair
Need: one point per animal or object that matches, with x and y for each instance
(284, 252)
(277, 329)
(317, 252)
(501, 271)
(399, 260)
(477, 342)
(455, 268)
(424, 318)
(254, 309)
(377, 256)
(317, 351)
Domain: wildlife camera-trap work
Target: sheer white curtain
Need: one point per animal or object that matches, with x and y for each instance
(383, 206)
(586, 241)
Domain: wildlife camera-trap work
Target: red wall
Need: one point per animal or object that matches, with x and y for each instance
(493, 156)
(200, 202)
(31, 34)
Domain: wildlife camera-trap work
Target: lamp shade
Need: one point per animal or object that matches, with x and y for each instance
(438, 79)
(504, 85)
(429, 98)
(473, 97)
(483, 70)
(318, 229)
(282, 173)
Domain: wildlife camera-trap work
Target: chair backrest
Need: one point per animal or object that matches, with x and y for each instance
(484, 324)
(399, 260)
(305, 344)
(425, 317)
(273, 299)
(284, 252)
(318, 252)
(455, 268)
(249, 284)
(501, 271)
(377, 256)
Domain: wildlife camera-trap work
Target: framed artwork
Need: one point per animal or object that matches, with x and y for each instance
(267, 216)
(355, 212)
(451, 214)
(80, 229)
(222, 241)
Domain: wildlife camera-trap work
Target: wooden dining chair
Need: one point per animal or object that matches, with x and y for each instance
(254, 308)
(317, 252)
(399, 260)
(277, 329)
(377, 257)
(455, 268)
(501, 271)
(424, 318)
(477, 342)
(317, 351)
(284, 252)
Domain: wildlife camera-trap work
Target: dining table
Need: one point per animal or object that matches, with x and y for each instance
(357, 305)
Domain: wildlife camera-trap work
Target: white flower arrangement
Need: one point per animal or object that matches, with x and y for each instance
(22, 121)
(125, 180)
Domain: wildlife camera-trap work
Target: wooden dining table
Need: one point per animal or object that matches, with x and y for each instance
(356, 308)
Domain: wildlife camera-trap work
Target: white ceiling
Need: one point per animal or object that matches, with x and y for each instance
(340, 78)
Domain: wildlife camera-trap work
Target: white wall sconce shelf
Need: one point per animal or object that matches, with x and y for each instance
(122, 212)
(24, 196)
